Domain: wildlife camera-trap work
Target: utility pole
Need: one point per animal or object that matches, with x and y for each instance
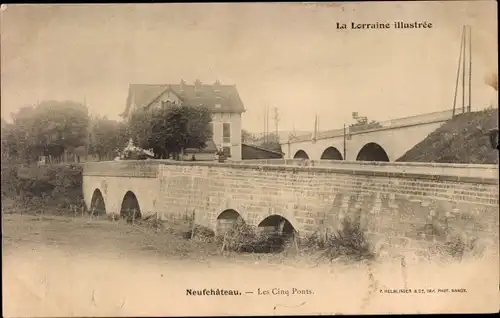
(470, 69)
(87, 143)
(267, 123)
(267, 127)
(463, 70)
(276, 119)
(460, 57)
(315, 130)
(344, 141)
(266, 116)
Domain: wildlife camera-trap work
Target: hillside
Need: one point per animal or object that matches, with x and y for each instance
(463, 139)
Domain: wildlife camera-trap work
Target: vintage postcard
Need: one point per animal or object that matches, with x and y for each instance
(229, 159)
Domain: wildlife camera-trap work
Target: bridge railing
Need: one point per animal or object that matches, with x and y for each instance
(392, 123)
(123, 168)
(439, 169)
(150, 168)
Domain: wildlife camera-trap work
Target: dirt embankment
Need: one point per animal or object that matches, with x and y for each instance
(463, 139)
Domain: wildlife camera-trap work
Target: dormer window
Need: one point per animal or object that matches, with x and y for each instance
(167, 102)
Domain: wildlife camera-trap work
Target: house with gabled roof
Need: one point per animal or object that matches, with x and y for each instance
(223, 101)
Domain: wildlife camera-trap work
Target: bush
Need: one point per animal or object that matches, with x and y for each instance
(349, 242)
(36, 187)
(241, 237)
(457, 247)
(313, 241)
(199, 232)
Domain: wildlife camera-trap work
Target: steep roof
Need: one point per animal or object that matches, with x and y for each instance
(263, 149)
(227, 96)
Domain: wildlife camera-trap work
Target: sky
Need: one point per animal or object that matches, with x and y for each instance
(290, 56)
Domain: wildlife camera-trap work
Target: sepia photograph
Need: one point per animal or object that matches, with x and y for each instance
(237, 159)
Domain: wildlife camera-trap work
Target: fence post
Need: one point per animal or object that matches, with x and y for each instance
(193, 225)
(157, 222)
(295, 241)
(223, 243)
(92, 213)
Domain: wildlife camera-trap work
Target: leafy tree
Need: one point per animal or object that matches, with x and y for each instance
(269, 142)
(107, 137)
(10, 151)
(363, 124)
(48, 129)
(247, 137)
(198, 128)
(141, 130)
(171, 128)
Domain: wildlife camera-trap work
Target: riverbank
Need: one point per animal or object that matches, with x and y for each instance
(63, 266)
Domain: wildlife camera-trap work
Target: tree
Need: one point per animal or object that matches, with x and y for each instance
(363, 124)
(107, 137)
(171, 128)
(10, 151)
(48, 129)
(269, 142)
(247, 137)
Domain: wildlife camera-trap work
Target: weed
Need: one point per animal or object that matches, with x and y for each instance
(313, 241)
(200, 233)
(457, 247)
(56, 187)
(349, 242)
(241, 237)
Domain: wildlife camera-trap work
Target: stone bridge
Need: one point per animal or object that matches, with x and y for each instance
(400, 204)
(386, 143)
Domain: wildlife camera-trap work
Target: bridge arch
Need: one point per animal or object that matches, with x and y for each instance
(97, 204)
(276, 223)
(372, 152)
(129, 205)
(226, 220)
(301, 154)
(331, 153)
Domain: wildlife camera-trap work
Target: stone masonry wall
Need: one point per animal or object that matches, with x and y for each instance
(401, 210)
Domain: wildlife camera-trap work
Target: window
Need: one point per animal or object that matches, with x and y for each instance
(227, 151)
(226, 132)
(218, 106)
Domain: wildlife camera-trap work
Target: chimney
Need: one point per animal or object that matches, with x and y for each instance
(182, 85)
(197, 86)
(216, 86)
